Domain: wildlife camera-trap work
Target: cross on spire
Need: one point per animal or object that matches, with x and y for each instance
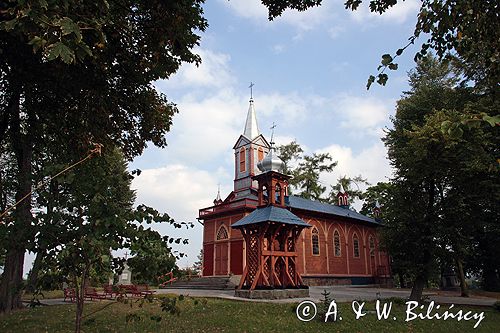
(272, 133)
(251, 90)
(126, 255)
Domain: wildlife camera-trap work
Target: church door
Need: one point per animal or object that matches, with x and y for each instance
(221, 258)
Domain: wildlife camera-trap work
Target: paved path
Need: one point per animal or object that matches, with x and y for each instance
(338, 293)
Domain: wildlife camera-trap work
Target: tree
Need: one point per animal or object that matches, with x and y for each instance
(350, 185)
(290, 154)
(434, 168)
(198, 265)
(152, 257)
(374, 193)
(465, 30)
(305, 176)
(93, 214)
(91, 68)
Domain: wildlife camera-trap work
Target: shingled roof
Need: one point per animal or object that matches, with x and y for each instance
(273, 214)
(321, 207)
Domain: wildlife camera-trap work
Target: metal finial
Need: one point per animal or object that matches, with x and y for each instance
(272, 133)
(251, 90)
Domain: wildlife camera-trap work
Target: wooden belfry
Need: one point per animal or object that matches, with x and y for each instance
(271, 232)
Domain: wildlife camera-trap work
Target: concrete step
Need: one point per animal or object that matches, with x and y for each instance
(208, 283)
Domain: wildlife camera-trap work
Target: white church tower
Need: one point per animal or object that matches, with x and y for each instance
(249, 150)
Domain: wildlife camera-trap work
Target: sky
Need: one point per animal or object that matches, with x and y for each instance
(310, 71)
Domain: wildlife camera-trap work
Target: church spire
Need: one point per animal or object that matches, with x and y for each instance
(251, 127)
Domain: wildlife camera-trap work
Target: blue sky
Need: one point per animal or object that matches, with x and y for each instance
(310, 71)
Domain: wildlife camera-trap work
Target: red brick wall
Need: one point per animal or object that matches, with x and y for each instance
(324, 264)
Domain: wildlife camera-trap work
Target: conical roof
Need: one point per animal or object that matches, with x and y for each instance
(251, 128)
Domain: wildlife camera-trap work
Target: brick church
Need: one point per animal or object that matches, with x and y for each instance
(338, 246)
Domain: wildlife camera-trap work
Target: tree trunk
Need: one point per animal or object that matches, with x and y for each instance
(402, 283)
(33, 276)
(12, 280)
(427, 259)
(461, 276)
(491, 281)
(80, 298)
(418, 287)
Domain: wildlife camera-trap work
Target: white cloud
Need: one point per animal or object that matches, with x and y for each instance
(335, 32)
(251, 9)
(399, 13)
(371, 163)
(178, 189)
(309, 19)
(206, 127)
(302, 21)
(287, 109)
(181, 191)
(364, 114)
(213, 72)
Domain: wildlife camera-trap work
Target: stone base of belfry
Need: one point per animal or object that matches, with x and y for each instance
(272, 293)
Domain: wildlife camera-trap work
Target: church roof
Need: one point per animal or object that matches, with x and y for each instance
(273, 214)
(251, 128)
(321, 207)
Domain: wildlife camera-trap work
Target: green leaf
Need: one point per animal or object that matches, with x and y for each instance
(456, 131)
(9, 25)
(62, 51)
(382, 79)
(393, 66)
(68, 26)
(37, 42)
(371, 79)
(399, 52)
(43, 4)
(84, 50)
(493, 121)
(386, 59)
(445, 126)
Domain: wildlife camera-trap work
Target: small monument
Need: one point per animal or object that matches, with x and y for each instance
(126, 275)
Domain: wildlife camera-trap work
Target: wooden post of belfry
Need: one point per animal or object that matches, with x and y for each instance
(271, 255)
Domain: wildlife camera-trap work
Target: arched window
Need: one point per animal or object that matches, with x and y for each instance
(260, 154)
(222, 233)
(336, 243)
(371, 242)
(242, 160)
(355, 244)
(315, 241)
(277, 193)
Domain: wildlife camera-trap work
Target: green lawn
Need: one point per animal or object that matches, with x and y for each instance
(215, 315)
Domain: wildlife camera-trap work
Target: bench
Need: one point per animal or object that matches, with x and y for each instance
(69, 293)
(110, 290)
(144, 290)
(92, 293)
